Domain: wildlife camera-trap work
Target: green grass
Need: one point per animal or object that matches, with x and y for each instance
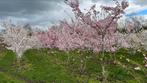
(6, 78)
(77, 66)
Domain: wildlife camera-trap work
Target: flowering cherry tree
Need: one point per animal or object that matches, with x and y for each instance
(87, 31)
(19, 39)
(106, 27)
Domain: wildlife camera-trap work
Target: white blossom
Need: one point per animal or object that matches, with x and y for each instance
(137, 68)
(19, 39)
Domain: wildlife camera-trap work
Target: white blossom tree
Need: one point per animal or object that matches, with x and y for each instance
(19, 39)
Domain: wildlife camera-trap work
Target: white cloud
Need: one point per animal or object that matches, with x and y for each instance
(134, 7)
(63, 11)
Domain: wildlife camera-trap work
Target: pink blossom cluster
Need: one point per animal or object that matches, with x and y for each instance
(87, 32)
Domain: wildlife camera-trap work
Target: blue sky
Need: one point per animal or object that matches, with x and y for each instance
(144, 12)
(139, 13)
(45, 13)
(138, 7)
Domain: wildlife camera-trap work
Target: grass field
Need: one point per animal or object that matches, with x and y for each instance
(54, 66)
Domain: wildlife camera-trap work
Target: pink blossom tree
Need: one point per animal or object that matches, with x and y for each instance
(87, 31)
(106, 27)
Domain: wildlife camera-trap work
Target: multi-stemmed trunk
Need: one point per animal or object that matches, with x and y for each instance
(104, 72)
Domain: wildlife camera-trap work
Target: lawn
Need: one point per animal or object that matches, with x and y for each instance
(77, 66)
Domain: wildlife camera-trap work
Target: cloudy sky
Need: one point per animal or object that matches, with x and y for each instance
(48, 12)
